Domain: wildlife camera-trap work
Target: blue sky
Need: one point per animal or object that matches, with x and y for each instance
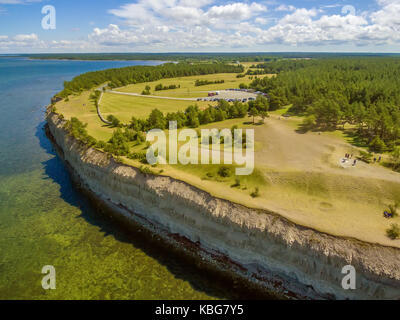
(201, 25)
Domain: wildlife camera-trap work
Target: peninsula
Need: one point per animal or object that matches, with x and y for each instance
(324, 191)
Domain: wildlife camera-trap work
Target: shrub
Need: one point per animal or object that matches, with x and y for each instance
(160, 87)
(101, 144)
(256, 193)
(237, 183)
(146, 170)
(377, 145)
(119, 160)
(118, 144)
(199, 83)
(140, 138)
(365, 156)
(210, 175)
(137, 156)
(130, 134)
(309, 122)
(137, 124)
(393, 232)
(395, 157)
(114, 121)
(146, 91)
(90, 141)
(224, 172)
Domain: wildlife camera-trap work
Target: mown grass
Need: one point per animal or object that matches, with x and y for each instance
(187, 85)
(125, 107)
(82, 107)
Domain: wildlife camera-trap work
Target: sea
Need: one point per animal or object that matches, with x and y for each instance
(46, 221)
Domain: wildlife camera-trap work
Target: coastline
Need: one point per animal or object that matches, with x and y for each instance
(261, 247)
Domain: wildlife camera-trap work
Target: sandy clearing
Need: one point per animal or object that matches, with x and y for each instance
(285, 149)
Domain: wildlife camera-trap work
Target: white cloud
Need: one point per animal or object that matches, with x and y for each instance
(179, 25)
(236, 11)
(389, 15)
(26, 37)
(166, 22)
(260, 20)
(194, 3)
(284, 7)
(21, 40)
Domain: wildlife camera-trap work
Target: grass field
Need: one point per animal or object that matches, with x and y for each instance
(124, 107)
(188, 88)
(298, 175)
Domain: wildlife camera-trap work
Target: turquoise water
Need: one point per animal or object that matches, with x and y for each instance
(45, 221)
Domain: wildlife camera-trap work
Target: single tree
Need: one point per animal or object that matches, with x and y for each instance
(264, 114)
(253, 113)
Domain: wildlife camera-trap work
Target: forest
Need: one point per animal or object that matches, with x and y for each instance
(360, 92)
(138, 74)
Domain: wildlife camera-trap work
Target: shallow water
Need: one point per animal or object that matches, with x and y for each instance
(45, 221)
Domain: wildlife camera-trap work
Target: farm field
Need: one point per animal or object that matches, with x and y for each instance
(297, 175)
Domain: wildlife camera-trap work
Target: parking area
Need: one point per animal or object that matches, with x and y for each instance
(231, 95)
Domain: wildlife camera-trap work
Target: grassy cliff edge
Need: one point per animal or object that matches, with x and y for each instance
(265, 245)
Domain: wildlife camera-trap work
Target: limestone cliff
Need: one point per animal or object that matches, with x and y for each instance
(261, 246)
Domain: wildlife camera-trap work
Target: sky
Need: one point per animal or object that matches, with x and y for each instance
(199, 26)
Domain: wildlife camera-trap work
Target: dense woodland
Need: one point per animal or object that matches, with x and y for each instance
(138, 74)
(362, 92)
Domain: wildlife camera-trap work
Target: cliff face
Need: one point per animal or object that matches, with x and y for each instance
(262, 246)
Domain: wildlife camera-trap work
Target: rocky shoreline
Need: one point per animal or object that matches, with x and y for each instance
(257, 246)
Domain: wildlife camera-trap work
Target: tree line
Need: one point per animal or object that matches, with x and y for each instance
(193, 117)
(160, 87)
(199, 83)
